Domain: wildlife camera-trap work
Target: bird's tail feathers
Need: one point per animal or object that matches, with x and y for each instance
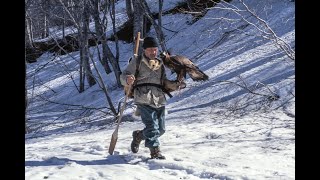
(198, 75)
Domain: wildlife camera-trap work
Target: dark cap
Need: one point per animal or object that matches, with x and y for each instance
(149, 42)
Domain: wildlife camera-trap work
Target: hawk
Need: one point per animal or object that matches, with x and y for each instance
(181, 66)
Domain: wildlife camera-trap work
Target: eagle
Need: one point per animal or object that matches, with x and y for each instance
(181, 66)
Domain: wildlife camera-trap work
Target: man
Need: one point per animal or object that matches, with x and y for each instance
(148, 96)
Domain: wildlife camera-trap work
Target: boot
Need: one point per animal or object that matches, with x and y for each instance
(156, 153)
(137, 112)
(137, 138)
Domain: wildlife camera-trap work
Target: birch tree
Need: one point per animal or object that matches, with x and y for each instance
(81, 22)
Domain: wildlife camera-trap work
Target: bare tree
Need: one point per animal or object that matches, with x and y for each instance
(138, 20)
(45, 8)
(81, 22)
(115, 62)
(78, 14)
(100, 26)
(256, 96)
(28, 30)
(261, 26)
(160, 13)
(32, 16)
(25, 98)
(157, 27)
(129, 9)
(85, 48)
(104, 88)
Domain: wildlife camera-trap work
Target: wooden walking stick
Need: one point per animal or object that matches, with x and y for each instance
(114, 137)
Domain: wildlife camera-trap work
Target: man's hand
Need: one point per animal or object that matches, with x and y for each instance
(130, 79)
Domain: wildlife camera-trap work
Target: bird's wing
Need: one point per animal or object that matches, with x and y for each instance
(194, 72)
(187, 63)
(176, 60)
(183, 60)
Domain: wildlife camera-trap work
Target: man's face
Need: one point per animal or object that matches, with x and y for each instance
(151, 52)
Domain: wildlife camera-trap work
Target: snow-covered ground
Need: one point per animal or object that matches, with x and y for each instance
(214, 130)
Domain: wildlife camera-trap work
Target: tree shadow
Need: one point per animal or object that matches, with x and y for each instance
(270, 80)
(55, 161)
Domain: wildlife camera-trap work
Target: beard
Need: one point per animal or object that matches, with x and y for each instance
(153, 56)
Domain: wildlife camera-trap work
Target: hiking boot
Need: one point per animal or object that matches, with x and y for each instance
(137, 112)
(156, 153)
(137, 138)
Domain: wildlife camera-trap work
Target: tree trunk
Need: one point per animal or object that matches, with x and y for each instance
(28, 30)
(115, 63)
(45, 8)
(90, 78)
(145, 20)
(129, 9)
(157, 28)
(81, 72)
(25, 99)
(138, 21)
(100, 30)
(162, 38)
(63, 24)
(46, 27)
(160, 13)
(104, 88)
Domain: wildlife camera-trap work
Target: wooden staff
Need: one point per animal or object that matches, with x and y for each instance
(114, 137)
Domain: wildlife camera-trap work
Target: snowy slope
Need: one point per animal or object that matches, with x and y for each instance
(214, 129)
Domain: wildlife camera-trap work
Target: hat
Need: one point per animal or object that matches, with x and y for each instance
(149, 42)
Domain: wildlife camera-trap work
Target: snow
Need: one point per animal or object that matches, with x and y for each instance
(214, 129)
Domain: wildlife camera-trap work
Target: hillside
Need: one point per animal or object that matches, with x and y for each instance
(240, 124)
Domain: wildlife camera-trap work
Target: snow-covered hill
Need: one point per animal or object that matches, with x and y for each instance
(230, 127)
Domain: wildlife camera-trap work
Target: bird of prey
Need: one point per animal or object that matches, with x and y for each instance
(181, 66)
